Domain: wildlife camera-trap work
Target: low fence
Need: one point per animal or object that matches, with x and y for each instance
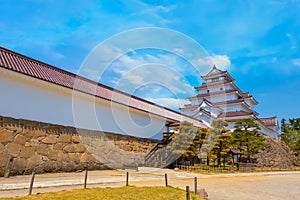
(241, 167)
(91, 179)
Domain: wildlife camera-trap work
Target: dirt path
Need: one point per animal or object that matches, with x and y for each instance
(274, 187)
(256, 186)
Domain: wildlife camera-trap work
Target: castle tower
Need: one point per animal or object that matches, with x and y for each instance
(219, 97)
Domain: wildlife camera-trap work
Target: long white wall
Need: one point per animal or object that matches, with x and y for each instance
(28, 98)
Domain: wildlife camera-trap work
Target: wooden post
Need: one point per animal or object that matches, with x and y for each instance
(187, 192)
(232, 165)
(127, 178)
(8, 166)
(31, 183)
(166, 179)
(195, 185)
(85, 178)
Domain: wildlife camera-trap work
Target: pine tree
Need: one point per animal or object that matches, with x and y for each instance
(291, 134)
(283, 125)
(188, 141)
(199, 139)
(222, 144)
(296, 148)
(217, 141)
(246, 137)
(182, 141)
(295, 123)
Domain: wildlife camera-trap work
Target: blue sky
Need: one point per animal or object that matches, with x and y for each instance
(256, 41)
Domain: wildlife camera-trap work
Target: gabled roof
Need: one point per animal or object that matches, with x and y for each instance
(39, 70)
(208, 102)
(247, 95)
(214, 70)
(205, 111)
(190, 106)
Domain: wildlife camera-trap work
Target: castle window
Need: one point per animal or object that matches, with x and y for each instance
(214, 79)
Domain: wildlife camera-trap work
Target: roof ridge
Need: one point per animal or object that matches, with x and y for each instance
(268, 117)
(34, 60)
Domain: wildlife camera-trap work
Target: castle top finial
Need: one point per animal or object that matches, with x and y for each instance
(214, 70)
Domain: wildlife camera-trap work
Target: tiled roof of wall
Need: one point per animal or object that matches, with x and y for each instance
(39, 70)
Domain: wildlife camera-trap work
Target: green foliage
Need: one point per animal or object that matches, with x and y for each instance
(246, 137)
(296, 148)
(188, 141)
(291, 134)
(182, 142)
(217, 141)
(221, 140)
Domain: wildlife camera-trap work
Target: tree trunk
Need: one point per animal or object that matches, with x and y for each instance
(248, 153)
(219, 159)
(207, 161)
(192, 161)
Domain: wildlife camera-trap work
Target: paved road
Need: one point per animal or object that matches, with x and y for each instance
(254, 186)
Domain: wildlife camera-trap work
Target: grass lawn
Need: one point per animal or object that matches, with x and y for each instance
(126, 193)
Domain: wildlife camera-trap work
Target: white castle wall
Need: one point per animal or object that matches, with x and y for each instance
(32, 99)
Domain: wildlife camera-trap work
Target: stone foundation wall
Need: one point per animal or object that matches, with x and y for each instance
(43, 147)
(276, 155)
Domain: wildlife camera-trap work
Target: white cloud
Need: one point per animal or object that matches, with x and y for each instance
(293, 41)
(135, 79)
(169, 102)
(98, 61)
(90, 73)
(296, 62)
(178, 50)
(162, 69)
(145, 9)
(154, 74)
(221, 61)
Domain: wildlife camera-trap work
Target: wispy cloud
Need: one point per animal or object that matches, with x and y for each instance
(221, 61)
(261, 38)
(292, 39)
(296, 62)
(169, 102)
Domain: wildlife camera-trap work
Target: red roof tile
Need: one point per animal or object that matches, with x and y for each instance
(215, 72)
(36, 69)
(270, 121)
(246, 94)
(196, 106)
(205, 111)
(207, 85)
(229, 102)
(207, 102)
(213, 93)
(235, 114)
(189, 106)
